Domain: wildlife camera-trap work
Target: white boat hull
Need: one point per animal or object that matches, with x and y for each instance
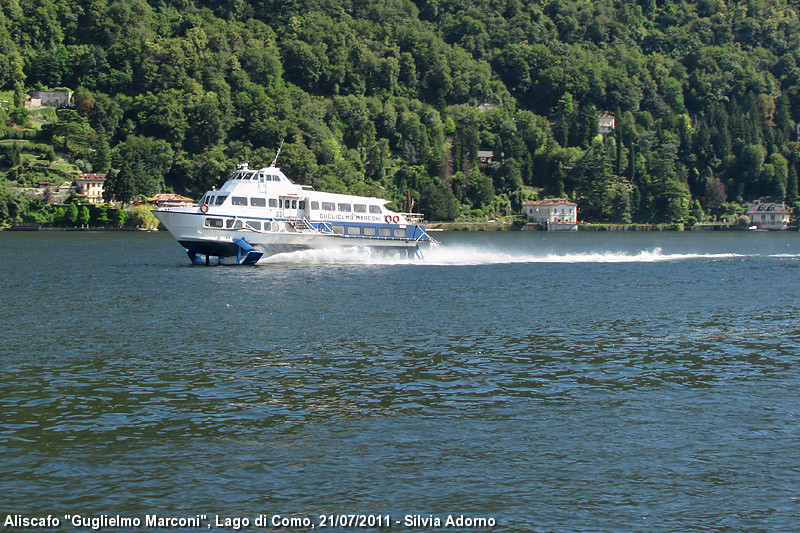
(187, 226)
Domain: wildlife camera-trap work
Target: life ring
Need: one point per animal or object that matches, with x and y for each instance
(291, 224)
(395, 219)
(204, 208)
(388, 219)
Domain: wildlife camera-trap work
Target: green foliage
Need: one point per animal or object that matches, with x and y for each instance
(143, 217)
(382, 98)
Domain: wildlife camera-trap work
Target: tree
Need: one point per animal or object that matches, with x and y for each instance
(119, 216)
(438, 202)
(72, 214)
(84, 216)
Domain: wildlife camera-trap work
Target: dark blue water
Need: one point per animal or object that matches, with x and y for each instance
(584, 382)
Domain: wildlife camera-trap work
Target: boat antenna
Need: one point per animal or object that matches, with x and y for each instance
(275, 161)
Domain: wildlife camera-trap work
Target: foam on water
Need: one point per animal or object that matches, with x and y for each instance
(456, 255)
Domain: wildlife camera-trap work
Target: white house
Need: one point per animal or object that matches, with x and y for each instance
(555, 214)
(58, 98)
(91, 186)
(769, 216)
(606, 122)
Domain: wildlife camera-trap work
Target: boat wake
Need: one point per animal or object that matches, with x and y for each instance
(444, 255)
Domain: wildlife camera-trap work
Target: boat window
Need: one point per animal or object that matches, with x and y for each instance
(210, 199)
(338, 230)
(353, 230)
(369, 231)
(238, 200)
(213, 222)
(221, 198)
(280, 203)
(360, 208)
(258, 202)
(301, 204)
(233, 224)
(294, 204)
(345, 207)
(375, 209)
(384, 232)
(328, 206)
(315, 205)
(273, 202)
(399, 232)
(254, 224)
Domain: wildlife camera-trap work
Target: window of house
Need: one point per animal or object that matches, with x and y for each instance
(258, 202)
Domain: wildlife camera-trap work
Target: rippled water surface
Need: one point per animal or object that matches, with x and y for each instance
(583, 382)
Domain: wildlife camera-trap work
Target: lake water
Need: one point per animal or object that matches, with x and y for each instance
(581, 382)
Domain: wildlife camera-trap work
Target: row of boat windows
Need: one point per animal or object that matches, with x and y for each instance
(367, 231)
(281, 203)
(253, 175)
(347, 208)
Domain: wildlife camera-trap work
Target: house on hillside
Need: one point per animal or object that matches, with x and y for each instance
(171, 200)
(90, 186)
(57, 99)
(772, 216)
(554, 214)
(606, 122)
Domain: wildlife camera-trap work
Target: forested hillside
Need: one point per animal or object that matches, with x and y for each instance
(383, 96)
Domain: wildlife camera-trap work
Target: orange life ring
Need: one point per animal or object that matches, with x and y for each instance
(204, 208)
(388, 219)
(395, 219)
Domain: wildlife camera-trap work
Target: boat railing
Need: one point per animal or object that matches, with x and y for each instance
(414, 218)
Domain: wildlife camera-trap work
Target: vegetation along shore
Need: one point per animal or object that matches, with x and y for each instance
(655, 114)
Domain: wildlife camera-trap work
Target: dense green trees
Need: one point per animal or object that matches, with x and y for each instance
(382, 97)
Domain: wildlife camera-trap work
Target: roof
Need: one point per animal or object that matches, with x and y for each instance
(552, 201)
(767, 207)
(485, 153)
(170, 197)
(91, 177)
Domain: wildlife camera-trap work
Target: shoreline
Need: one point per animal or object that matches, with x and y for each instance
(476, 226)
(586, 227)
(36, 227)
